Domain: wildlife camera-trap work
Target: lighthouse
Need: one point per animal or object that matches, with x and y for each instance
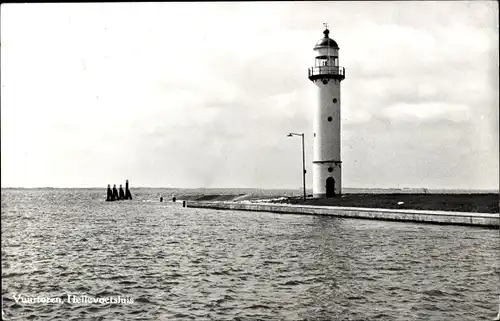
(327, 76)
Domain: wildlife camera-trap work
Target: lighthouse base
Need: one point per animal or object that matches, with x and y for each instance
(327, 179)
(324, 195)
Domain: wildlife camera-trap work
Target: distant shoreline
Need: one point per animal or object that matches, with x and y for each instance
(345, 190)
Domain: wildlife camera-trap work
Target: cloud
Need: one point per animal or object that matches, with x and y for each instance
(427, 112)
(203, 94)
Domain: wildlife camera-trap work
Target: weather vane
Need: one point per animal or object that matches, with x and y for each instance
(325, 24)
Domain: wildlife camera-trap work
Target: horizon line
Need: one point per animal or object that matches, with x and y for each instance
(261, 188)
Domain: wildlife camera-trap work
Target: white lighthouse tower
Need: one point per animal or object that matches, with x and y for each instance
(327, 75)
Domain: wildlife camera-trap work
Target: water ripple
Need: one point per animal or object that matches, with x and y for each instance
(181, 264)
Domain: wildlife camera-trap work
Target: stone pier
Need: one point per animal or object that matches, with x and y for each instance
(491, 220)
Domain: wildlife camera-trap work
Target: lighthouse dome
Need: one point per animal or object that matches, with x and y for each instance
(326, 41)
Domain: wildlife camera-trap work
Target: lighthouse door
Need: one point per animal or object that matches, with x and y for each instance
(330, 187)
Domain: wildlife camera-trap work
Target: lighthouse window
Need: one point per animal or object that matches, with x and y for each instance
(330, 118)
(330, 169)
(334, 100)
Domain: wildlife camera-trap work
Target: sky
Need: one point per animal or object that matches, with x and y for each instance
(203, 94)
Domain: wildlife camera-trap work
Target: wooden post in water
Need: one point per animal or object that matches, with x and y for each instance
(128, 195)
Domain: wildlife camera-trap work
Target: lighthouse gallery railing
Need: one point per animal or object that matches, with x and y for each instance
(327, 70)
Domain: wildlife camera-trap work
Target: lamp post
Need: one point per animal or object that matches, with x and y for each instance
(303, 161)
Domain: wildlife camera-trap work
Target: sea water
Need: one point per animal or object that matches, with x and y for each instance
(69, 255)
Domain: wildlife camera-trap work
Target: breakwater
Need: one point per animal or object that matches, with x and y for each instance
(491, 220)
